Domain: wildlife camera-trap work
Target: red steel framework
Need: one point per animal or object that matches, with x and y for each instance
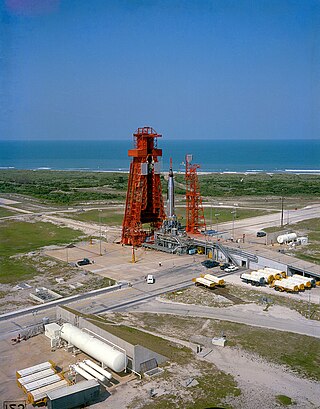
(194, 211)
(144, 203)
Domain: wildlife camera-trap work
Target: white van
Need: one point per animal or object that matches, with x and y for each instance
(150, 279)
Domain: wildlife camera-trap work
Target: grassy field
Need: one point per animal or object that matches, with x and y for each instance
(5, 212)
(22, 237)
(106, 216)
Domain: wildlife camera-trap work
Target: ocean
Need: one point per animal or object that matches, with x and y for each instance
(212, 155)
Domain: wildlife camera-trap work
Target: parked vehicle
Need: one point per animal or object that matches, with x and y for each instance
(150, 279)
(83, 262)
(261, 234)
(223, 266)
(210, 263)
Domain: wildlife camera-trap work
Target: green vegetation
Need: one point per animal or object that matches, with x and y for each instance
(22, 237)
(5, 212)
(224, 185)
(284, 400)
(64, 187)
(106, 216)
(300, 352)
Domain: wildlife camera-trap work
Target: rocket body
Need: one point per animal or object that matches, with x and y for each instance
(170, 205)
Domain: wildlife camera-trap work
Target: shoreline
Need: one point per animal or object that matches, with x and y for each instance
(178, 172)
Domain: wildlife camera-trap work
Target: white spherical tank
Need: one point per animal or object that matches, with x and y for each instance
(92, 346)
(285, 238)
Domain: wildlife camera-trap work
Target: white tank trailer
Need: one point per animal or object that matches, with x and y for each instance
(214, 279)
(99, 350)
(252, 279)
(286, 238)
(307, 281)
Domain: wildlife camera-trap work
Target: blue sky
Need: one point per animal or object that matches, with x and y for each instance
(95, 69)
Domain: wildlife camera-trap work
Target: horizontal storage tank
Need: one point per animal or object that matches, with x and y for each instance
(82, 372)
(203, 281)
(286, 238)
(214, 279)
(35, 376)
(308, 282)
(98, 368)
(267, 276)
(276, 273)
(94, 347)
(41, 382)
(41, 393)
(253, 278)
(284, 284)
(297, 282)
(35, 368)
(92, 371)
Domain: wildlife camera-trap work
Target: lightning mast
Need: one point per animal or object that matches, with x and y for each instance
(194, 209)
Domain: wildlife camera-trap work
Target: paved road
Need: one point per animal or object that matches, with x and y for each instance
(141, 297)
(253, 224)
(258, 318)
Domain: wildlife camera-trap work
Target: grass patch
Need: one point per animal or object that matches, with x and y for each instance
(106, 216)
(23, 237)
(284, 400)
(5, 212)
(299, 353)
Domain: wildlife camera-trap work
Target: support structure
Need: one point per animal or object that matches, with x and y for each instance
(144, 202)
(194, 209)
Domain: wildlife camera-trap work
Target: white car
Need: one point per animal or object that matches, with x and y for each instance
(150, 279)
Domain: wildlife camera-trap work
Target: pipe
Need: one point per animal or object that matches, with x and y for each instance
(81, 372)
(98, 368)
(92, 372)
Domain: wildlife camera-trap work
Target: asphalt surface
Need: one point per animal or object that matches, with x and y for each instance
(141, 297)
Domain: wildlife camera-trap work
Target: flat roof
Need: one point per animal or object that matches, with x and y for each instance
(67, 390)
(290, 261)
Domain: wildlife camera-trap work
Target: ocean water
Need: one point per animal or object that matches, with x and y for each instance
(212, 155)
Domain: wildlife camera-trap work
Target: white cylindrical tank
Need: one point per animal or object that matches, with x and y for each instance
(92, 346)
(92, 372)
(83, 373)
(307, 281)
(285, 284)
(98, 368)
(276, 272)
(285, 238)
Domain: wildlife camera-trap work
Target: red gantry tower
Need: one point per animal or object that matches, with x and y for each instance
(144, 202)
(194, 209)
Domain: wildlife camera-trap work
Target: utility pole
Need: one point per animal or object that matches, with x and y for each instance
(100, 230)
(216, 216)
(234, 213)
(282, 199)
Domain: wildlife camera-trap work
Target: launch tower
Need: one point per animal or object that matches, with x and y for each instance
(144, 203)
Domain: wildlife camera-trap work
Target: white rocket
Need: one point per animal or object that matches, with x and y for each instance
(170, 197)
